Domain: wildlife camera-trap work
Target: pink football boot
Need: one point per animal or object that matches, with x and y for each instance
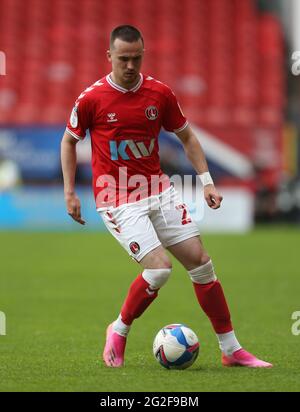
(113, 354)
(244, 358)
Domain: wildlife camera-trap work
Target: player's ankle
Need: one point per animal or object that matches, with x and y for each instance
(228, 343)
(120, 327)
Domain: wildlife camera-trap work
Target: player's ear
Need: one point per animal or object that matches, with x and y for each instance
(108, 55)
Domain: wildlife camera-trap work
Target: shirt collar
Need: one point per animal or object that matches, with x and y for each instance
(122, 89)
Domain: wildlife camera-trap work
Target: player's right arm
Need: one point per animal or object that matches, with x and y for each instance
(174, 121)
(69, 162)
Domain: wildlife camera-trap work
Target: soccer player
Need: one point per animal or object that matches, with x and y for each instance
(124, 112)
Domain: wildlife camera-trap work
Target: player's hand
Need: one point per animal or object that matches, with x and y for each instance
(74, 208)
(212, 197)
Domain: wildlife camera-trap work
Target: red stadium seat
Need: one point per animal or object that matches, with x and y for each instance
(222, 58)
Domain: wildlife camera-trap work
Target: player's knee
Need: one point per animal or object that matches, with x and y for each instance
(156, 277)
(203, 274)
(157, 259)
(201, 260)
(160, 262)
(164, 262)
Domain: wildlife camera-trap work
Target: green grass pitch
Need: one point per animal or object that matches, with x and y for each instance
(60, 290)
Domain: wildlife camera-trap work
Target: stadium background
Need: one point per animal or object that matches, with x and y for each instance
(229, 63)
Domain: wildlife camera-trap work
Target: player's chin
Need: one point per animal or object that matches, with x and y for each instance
(129, 77)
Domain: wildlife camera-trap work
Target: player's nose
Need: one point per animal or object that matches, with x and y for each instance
(130, 65)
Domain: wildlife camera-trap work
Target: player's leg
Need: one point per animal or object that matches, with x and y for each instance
(177, 232)
(142, 292)
(157, 268)
(211, 298)
(134, 231)
(192, 255)
(208, 289)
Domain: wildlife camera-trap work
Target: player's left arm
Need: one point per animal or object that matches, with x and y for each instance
(195, 154)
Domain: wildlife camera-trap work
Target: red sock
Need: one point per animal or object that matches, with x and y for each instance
(139, 297)
(212, 300)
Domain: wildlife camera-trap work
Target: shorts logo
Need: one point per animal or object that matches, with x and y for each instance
(151, 112)
(134, 247)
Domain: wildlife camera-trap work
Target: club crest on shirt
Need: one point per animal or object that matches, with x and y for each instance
(151, 112)
(134, 247)
(74, 117)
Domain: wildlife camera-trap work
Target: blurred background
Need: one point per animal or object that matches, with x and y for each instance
(229, 63)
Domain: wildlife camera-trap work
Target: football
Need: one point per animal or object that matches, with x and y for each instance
(176, 346)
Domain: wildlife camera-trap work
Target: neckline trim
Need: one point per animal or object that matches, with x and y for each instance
(122, 89)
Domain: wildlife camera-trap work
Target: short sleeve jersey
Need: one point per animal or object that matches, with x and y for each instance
(124, 126)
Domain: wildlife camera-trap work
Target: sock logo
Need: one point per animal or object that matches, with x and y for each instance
(150, 291)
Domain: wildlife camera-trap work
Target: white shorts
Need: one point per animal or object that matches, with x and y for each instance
(146, 224)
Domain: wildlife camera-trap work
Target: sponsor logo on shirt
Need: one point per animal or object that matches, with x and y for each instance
(137, 149)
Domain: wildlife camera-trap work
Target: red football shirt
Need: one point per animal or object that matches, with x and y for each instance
(124, 126)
